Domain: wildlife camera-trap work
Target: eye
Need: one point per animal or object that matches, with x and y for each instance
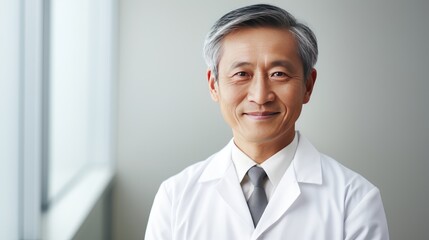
(240, 77)
(241, 74)
(280, 76)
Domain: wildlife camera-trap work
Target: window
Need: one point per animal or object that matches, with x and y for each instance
(80, 82)
(57, 74)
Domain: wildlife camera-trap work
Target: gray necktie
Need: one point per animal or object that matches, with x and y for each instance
(258, 200)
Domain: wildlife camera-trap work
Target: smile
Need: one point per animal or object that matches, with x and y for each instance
(261, 115)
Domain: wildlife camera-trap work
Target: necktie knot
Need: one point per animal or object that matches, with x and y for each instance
(257, 176)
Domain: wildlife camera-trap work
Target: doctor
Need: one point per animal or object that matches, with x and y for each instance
(269, 181)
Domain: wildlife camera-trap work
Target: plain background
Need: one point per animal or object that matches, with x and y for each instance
(369, 109)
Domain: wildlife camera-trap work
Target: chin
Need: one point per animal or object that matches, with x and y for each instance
(259, 138)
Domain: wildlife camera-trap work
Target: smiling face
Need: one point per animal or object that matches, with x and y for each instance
(261, 87)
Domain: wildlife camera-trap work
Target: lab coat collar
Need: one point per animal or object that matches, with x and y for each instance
(218, 165)
(305, 168)
(306, 163)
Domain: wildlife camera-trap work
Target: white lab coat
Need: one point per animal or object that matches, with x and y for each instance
(317, 198)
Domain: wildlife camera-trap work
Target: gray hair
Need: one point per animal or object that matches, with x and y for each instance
(260, 15)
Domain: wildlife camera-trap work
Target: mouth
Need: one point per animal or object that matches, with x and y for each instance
(261, 115)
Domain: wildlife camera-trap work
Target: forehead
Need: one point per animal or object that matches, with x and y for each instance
(255, 44)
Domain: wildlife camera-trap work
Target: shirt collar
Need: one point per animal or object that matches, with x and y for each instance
(275, 166)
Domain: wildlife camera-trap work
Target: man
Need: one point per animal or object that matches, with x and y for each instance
(269, 182)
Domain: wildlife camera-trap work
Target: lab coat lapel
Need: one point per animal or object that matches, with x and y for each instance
(305, 168)
(221, 169)
(230, 190)
(285, 195)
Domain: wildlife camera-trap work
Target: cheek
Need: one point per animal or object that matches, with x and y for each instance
(231, 105)
(233, 96)
(292, 97)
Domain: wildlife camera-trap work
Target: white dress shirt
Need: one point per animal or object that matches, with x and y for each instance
(275, 167)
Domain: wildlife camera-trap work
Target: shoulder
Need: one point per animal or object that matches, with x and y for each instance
(187, 176)
(211, 168)
(310, 163)
(364, 215)
(333, 170)
(349, 187)
(354, 188)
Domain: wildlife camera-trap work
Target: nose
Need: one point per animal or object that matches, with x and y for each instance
(260, 91)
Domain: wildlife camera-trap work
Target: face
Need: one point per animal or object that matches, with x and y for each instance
(261, 87)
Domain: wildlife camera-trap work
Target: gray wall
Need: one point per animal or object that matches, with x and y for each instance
(369, 109)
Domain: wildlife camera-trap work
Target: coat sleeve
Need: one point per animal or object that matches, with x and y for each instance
(159, 224)
(368, 219)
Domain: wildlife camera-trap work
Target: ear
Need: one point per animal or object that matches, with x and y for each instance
(213, 86)
(309, 85)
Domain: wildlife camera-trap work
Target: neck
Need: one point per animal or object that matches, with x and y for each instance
(261, 151)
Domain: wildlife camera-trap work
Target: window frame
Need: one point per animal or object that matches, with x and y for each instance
(31, 119)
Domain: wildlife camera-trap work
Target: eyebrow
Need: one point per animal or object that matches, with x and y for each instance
(283, 63)
(239, 64)
(278, 63)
